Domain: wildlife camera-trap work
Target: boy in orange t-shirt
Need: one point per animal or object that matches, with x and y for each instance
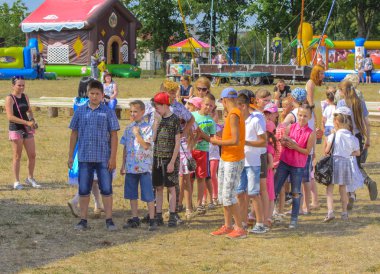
(231, 165)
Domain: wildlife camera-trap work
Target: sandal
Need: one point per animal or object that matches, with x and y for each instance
(328, 218)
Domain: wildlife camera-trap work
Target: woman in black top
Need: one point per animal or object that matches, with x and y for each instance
(185, 89)
(21, 130)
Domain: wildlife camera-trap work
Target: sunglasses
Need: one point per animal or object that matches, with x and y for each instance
(202, 89)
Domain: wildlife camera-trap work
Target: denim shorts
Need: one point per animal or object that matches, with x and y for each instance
(328, 130)
(131, 186)
(249, 181)
(307, 170)
(86, 177)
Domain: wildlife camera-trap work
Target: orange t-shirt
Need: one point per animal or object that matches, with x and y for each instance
(233, 153)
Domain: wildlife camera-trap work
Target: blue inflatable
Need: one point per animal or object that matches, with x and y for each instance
(18, 61)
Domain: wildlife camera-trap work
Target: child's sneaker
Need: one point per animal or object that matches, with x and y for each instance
(211, 206)
(110, 225)
(258, 229)
(32, 183)
(329, 217)
(344, 216)
(223, 230)
(74, 209)
(132, 223)
(152, 225)
(17, 186)
(172, 222)
(82, 225)
(351, 200)
(159, 219)
(237, 233)
(293, 224)
(201, 210)
(179, 220)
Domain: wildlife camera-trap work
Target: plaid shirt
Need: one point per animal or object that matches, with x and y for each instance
(94, 132)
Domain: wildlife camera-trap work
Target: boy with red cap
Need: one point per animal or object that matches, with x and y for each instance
(166, 156)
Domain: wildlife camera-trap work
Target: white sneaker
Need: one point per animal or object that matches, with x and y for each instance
(32, 183)
(17, 186)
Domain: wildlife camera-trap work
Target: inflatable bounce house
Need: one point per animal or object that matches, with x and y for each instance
(340, 57)
(70, 31)
(19, 61)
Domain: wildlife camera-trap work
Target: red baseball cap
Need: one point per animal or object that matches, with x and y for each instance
(162, 98)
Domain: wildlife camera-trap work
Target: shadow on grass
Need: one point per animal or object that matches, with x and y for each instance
(35, 235)
(32, 236)
(44, 185)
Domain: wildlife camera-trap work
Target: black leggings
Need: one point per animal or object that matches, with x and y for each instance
(361, 145)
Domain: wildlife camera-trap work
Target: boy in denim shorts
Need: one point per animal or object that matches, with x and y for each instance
(137, 164)
(165, 170)
(94, 126)
(255, 138)
(231, 165)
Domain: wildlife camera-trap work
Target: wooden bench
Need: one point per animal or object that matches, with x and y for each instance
(54, 104)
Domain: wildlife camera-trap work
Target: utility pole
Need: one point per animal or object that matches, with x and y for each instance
(210, 41)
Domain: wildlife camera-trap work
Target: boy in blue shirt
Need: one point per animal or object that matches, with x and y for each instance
(94, 126)
(137, 164)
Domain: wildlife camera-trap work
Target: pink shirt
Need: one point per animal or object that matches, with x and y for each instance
(301, 136)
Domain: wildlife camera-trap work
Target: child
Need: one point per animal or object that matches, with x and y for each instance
(186, 123)
(231, 165)
(214, 154)
(344, 145)
(186, 146)
(328, 115)
(206, 129)
(249, 185)
(165, 157)
(298, 142)
(263, 97)
(102, 68)
(137, 164)
(94, 126)
(271, 148)
(300, 96)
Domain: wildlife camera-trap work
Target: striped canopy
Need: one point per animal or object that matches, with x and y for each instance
(189, 45)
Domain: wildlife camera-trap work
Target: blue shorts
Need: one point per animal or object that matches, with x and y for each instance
(131, 186)
(249, 181)
(86, 177)
(328, 130)
(307, 170)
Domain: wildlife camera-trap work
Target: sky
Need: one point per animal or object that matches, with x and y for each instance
(30, 4)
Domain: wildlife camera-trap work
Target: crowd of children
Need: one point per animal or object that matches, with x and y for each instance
(251, 163)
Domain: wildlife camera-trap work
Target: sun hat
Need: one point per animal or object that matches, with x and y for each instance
(271, 107)
(299, 94)
(162, 98)
(196, 101)
(343, 110)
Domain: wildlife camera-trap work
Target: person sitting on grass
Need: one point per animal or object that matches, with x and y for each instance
(137, 164)
(94, 127)
(166, 157)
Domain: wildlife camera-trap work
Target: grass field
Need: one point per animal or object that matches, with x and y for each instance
(37, 235)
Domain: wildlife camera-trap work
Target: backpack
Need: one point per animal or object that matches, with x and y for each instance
(324, 167)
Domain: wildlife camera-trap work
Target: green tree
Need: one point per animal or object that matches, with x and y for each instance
(161, 23)
(10, 19)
